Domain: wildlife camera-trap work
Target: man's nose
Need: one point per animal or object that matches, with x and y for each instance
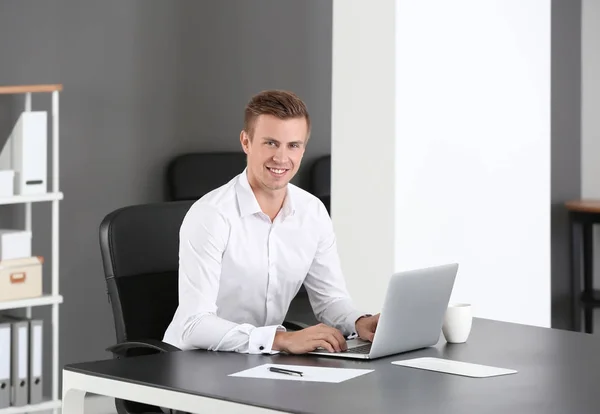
(280, 155)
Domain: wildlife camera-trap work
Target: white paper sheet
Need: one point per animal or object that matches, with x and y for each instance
(447, 366)
(313, 374)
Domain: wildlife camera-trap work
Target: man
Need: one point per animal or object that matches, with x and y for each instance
(248, 246)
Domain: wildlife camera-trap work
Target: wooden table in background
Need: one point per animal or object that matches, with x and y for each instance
(583, 214)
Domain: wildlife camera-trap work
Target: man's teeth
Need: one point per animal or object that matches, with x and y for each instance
(277, 171)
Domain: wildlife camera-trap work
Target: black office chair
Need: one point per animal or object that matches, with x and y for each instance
(140, 255)
(320, 180)
(139, 246)
(190, 176)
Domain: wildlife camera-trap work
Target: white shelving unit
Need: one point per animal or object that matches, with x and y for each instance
(20, 199)
(52, 298)
(45, 406)
(31, 302)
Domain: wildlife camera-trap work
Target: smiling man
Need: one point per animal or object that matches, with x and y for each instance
(248, 246)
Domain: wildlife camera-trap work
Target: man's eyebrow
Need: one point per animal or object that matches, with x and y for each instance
(274, 140)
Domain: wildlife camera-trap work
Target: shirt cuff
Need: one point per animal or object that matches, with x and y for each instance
(351, 322)
(261, 339)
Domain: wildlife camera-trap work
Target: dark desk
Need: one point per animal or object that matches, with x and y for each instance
(559, 372)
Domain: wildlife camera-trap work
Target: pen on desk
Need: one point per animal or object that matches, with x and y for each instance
(284, 371)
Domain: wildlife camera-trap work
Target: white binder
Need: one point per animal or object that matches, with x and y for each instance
(35, 361)
(19, 361)
(25, 152)
(5, 358)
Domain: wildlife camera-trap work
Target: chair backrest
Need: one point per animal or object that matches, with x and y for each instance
(190, 176)
(140, 254)
(320, 180)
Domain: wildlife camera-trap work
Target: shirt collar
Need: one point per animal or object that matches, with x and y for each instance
(248, 204)
(288, 208)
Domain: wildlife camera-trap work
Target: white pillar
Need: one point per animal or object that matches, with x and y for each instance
(363, 138)
(590, 104)
(441, 148)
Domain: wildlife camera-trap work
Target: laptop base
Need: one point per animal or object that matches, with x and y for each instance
(352, 345)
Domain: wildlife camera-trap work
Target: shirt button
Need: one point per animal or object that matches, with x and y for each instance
(261, 347)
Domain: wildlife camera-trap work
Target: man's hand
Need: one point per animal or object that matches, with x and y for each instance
(309, 339)
(366, 327)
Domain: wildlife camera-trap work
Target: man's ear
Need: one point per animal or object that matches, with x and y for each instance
(245, 141)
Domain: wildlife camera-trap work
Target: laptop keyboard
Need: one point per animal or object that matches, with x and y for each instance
(363, 349)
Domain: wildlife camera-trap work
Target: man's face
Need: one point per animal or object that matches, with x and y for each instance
(275, 151)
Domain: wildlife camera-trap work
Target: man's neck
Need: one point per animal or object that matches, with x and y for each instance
(270, 201)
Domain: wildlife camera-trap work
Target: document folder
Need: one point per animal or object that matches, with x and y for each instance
(5, 358)
(35, 361)
(19, 361)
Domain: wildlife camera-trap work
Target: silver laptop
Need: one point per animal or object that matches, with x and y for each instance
(411, 317)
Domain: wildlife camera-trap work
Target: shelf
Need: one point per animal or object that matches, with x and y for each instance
(4, 90)
(51, 194)
(25, 303)
(33, 198)
(45, 406)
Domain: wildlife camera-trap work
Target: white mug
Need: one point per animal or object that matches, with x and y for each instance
(457, 323)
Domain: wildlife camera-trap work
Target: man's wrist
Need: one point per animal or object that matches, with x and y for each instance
(366, 315)
(280, 341)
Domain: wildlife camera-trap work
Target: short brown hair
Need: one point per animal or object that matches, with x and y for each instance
(279, 103)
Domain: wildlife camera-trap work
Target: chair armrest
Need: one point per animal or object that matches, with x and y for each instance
(120, 349)
(294, 325)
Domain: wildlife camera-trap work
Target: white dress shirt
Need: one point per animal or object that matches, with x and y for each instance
(238, 271)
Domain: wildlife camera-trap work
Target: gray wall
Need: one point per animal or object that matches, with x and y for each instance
(144, 81)
(565, 146)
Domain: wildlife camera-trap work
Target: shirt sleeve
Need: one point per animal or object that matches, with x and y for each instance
(325, 282)
(203, 239)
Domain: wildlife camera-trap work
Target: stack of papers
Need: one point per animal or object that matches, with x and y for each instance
(313, 374)
(447, 366)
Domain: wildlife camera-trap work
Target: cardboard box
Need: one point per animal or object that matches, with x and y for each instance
(14, 244)
(7, 183)
(21, 278)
